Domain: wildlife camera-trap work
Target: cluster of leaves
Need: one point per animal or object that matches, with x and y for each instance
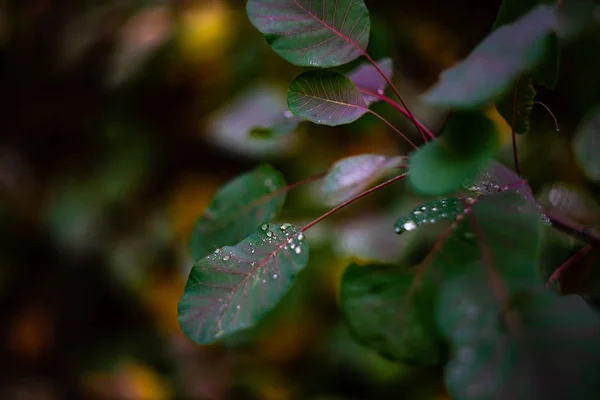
(478, 302)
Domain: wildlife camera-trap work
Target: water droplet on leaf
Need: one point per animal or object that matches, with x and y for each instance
(264, 227)
(409, 225)
(226, 258)
(275, 276)
(298, 250)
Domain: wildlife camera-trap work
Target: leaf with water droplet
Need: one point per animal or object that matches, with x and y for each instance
(225, 295)
(465, 148)
(323, 34)
(366, 78)
(374, 302)
(326, 97)
(237, 209)
(351, 175)
(444, 209)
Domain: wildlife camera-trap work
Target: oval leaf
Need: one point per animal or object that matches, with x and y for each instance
(239, 206)
(326, 97)
(586, 145)
(316, 33)
(233, 288)
(464, 149)
(350, 176)
(375, 304)
(496, 62)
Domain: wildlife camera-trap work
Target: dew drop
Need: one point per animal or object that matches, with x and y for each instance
(217, 251)
(397, 229)
(300, 236)
(283, 227)
(293, 246)
(275, 276)
(409, 225)
(264, 227)
(264, 281)
(424, 208)
(434, 209)
(298, 250)
(252, 251)
(432, 220)
(269, 234)
(417, 212)
(288, 114)
(225, 258)
(238, 306)
(380, 91)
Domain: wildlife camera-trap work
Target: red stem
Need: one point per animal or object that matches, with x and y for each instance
(570, 261)
(352, 200)
(395, 129)
(514, 137)
(391, 85)
(399, 108)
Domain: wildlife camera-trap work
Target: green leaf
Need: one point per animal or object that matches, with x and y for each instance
(517, 106)
(317, 33)
(537, 346)
(234, 287)
(237, 209)
(446, 209)
(546, 72)
(379, 313)
(586, 145)
(506, 227)
(466, 146)
(351, 175)
(496, 62)
(326, 97)
(364, 77)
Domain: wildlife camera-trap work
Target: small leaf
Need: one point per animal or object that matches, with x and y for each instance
(234, 287)
(380, 315)
(447, 209)
(517, 106)
(237, 209)
(316, 33)
(465, 148)
(326, 97)
(496, 62)
(367, 77)
(538, 346)
(586, 145)
(351, 175)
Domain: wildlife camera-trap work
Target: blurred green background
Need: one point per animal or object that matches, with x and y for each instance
(119, 121)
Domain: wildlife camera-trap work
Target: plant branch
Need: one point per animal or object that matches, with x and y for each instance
(573, 228)
(397, 107)
(352, 200)
(391, 85)
(512, 127)
(385, 121)
(567, 264)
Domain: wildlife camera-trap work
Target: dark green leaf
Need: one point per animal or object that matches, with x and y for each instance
(446, 209)
(535, 346)
(586, 145)
(351, 175)
(504, 226)
(237, 209)
(517, 105)
(326, 97)
(234, 287)
(317, 33)
(466, 146)
(496, 62)
(573, 16)
(381, 316)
